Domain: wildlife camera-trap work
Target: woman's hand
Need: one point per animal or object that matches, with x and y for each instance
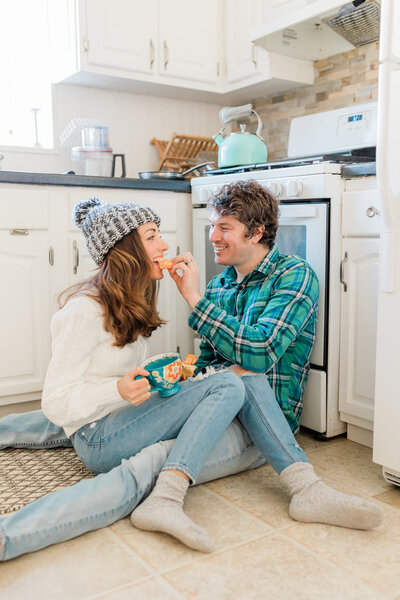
(188, 283)
(135, 391)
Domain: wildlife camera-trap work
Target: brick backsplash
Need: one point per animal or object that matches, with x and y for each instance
(340, 80)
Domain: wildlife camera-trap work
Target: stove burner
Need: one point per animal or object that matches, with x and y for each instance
(354, 156)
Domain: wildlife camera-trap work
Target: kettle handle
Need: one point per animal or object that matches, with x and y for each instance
(259, 124)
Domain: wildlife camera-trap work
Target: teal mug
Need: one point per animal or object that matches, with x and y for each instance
(165, 370)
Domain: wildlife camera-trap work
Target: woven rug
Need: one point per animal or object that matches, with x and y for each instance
(26, 475)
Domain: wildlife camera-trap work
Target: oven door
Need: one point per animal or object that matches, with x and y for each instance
(303, 231)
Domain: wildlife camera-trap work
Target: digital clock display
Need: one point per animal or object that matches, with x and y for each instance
(354, 118)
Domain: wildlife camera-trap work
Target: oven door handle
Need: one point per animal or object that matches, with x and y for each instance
(341, 271)
(300, 211)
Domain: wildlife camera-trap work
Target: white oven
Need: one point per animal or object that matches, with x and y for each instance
(310, 193)
(309, 226)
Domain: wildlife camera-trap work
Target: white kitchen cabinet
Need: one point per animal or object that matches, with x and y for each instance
(188, 40)
(169, 47)
(360, 279)
(42, 253)
(128, 44)
(121, 35)
(24, 301)
(244, 60)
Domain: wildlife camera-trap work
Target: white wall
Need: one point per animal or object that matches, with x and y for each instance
(133, 120)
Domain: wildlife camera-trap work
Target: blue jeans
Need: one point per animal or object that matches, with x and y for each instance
(98, 502)
(197, 416)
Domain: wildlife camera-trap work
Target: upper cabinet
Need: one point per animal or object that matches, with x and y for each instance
(121, 35)
(188, 40)
(168, 47)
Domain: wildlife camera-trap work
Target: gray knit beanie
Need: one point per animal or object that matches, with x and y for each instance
(103, 224)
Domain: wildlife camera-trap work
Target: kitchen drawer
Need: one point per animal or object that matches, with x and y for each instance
(23, 208)
(361, 214)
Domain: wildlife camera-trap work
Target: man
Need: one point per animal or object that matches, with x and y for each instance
(258, 318)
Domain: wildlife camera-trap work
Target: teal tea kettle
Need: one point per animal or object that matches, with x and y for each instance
(242, 147)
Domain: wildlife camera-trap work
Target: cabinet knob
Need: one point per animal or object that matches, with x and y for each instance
(372, 211)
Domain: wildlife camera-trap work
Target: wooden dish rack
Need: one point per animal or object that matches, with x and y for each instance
(175, 154)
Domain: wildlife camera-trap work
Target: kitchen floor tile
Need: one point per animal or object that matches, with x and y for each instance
(271, 567)
(259, 492)
(81, 568)
(391, 497)
(153, 589)
(309, 441)
(371, 556)
(225, 522)
(348, 467)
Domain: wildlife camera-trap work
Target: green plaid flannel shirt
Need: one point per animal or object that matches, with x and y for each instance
(266, 324)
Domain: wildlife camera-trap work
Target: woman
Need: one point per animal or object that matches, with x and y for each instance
(99, 337)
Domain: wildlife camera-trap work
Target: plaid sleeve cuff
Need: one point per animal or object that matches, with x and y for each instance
(203, 318)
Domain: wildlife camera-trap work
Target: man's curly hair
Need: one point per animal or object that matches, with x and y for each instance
(251, 204)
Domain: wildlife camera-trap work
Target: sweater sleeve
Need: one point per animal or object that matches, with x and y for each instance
(68, 399)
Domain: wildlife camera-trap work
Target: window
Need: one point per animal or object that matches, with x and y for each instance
(25, 98)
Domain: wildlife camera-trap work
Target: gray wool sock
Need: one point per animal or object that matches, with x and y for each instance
(163, 511)
(315, 502)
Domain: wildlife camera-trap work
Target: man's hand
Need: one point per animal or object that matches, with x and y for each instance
(135, 391)
(188, 283)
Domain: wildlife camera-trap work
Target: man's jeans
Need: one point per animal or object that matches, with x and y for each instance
(98, 502)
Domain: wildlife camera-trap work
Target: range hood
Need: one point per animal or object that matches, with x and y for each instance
(320, 29)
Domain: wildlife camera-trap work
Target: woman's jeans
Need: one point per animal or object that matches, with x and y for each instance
(102, 500)
(197, 416)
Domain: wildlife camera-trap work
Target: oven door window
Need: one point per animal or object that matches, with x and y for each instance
(304, 231)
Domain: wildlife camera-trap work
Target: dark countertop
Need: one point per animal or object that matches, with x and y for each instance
(367, 169)
(89, 181)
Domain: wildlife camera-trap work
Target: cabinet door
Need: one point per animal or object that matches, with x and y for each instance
(358, 327)
(24, 312)
(244, 59)
(122, 34)
(188, 46)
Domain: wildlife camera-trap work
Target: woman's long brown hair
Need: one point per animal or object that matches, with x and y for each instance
(125, 290)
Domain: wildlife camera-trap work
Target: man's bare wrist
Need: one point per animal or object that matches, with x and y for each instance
(193, 300)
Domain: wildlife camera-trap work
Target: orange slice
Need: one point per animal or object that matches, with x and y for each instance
(166, 263)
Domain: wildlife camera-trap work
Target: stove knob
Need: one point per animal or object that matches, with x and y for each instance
(293, 188)
(275, 188)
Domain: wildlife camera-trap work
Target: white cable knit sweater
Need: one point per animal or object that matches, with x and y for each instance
(81, 381)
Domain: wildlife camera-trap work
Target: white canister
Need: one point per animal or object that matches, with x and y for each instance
(96, 163)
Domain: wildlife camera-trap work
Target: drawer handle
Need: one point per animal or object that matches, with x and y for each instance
(19, 232)
(76, 257)
(342, 281)
(372, 211)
